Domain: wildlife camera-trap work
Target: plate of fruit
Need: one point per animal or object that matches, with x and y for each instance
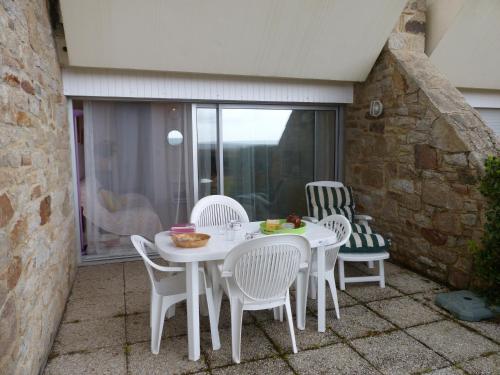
(291, 225)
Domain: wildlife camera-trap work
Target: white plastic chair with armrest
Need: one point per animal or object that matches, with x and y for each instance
(258, 274)
(217, 210)
(169, 290)
(342, 228)
(360, 219)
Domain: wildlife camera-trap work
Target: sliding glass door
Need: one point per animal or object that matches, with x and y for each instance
(143, 165)
(264, 156)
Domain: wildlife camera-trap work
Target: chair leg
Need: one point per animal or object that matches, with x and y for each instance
(216, 288)
(157, 319)
(290, 322)
(330, 277)
(381, 273)
(278, 313)
(212, 316)
(236, 323)
(370, 264)
(313, 287)
(341, 274)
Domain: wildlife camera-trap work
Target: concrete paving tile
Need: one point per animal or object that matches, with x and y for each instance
(137, 302)
(101, 271)
(489, 328)
(409, 282)
(344, 300)
(261, 315)
(428, 298)
(90, 334)
(404, 312)
(307, 339)
(105, 361)
(101, 286)
(272, 366)
(357, 321)
(487, 365)
(94, 307)
(370, 292)
(452, 340)
(335, 359)
(389, 268)
(138, 329)
(398, 353)
(452, 370)
(138, 280)
(254, 345)
(172, 358)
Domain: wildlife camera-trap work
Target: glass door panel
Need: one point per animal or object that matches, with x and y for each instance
(206, 126)
(268, 157)
(135, 176)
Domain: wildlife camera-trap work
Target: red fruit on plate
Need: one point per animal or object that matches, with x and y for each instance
(295, 219)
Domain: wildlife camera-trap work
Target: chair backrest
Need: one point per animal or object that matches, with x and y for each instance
(215, 210)
(342, 228)
(141, 245)
(264, 268)
(325, 198)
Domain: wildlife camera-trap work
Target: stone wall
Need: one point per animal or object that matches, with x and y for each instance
(37, 244)
(415, 168)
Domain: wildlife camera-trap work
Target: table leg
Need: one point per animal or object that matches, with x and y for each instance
(301, 298)
(321, 289)
(193, 313)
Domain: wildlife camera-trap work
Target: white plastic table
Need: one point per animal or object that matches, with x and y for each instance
(216, 249)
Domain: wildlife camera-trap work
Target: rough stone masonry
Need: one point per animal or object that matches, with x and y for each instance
(37, 244)
(416, 167)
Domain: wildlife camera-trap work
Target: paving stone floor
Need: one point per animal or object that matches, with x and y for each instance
(396, 330)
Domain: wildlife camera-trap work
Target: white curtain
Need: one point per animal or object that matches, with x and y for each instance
(135, 181)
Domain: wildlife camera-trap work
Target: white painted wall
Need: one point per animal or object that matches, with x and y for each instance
(466, 45)
(482, 98)
(491, 117)
(79, 82)
(306, 39)
(487, 103)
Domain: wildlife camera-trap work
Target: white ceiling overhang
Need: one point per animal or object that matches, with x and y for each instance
(463, 41)
(306, 39)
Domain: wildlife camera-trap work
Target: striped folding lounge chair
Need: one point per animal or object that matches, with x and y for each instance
(325, 198)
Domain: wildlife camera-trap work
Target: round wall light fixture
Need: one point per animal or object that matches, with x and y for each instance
(376, 108)
(174, 138)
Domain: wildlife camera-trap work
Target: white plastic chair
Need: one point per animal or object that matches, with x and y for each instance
(342, 228)
(167, 291)
(370, 258)
(217, 210)
(258, 274)
(214, 211)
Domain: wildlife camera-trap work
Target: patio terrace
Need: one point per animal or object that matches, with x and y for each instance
(396, 330)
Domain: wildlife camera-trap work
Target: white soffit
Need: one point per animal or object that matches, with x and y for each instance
(482, 98)
(112, 83)
(466, 45)
(306, 39)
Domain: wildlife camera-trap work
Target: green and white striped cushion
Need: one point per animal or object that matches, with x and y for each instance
(325, 201)
(361, 228)
(365, 243)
